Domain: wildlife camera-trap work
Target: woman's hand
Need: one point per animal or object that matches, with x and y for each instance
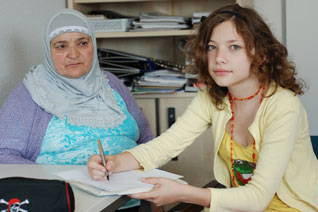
(168, 191)
(114, 163)
(96, 168)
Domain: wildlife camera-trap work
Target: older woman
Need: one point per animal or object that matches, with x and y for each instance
(65, 104)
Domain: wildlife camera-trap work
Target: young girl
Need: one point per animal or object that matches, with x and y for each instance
(263, 153)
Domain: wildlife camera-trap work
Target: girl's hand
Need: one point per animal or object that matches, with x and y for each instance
(165, 191)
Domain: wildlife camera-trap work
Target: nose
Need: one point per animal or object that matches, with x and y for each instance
(73, 52)
(220, 56)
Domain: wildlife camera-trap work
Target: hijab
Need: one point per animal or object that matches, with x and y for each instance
(88, 100)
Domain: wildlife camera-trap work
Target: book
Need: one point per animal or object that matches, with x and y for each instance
(120, 183)
(165, 79)
(165, 73)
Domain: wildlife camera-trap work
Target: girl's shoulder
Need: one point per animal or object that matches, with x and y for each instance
(282, 97)
(205, 101)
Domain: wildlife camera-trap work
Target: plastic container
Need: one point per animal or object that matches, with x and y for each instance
(111, 25)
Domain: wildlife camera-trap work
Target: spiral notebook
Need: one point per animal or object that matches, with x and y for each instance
(120, 183)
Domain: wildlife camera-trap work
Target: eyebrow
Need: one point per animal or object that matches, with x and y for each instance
(229, 41)
(78, 39)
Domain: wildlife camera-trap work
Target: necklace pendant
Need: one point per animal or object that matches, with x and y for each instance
(243, 171)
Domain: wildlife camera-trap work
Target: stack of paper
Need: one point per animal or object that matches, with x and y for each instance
(160, 22)
(160, 81)
(191, 85)
(197, 16)
(120, 183)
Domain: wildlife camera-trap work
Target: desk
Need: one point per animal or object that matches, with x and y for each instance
(84, 202)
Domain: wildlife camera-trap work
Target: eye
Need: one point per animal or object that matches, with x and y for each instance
(83, 43)
(211, 47)
(235, 47)
(60, 46)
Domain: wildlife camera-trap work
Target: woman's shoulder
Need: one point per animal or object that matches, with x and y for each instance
(114, 81)
(20, 93)
(21, 97)
(109, 75)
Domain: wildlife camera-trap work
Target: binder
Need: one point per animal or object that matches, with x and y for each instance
(124, 64)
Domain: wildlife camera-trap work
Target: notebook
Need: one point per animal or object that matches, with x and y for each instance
(120, 183)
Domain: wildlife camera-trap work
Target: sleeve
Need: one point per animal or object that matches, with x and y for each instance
(194, 121)
(145, 131)
(16, 118)
(280, 129)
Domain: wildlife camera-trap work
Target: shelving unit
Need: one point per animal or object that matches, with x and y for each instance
(158, 44)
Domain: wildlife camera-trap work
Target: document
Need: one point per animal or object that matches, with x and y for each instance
(120, 183)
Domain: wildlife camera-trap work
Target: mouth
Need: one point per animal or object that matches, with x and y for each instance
(72, 65)
(221, 72)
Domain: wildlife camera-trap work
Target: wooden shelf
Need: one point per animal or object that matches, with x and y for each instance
(169, 95)
(144, 34)
(108, 1)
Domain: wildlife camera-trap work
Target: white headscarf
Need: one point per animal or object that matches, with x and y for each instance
(88, 100)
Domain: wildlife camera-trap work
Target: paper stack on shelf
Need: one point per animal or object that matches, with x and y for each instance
(191, 83)
(160, 22)
(197, 16)
(160, 81)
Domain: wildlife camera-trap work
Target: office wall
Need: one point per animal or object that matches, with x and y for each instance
(21, 38)
(294, 23)
(302, 43)
(272, 12)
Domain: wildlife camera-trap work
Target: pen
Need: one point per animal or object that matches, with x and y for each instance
(101, 152)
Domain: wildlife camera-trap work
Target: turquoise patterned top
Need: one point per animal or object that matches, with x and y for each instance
(66, 144)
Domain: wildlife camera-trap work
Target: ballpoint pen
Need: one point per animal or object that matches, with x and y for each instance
(102, 155)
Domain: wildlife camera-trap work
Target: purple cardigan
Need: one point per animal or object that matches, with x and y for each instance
(23, 123)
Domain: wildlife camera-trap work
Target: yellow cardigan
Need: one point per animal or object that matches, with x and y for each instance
(287, 164)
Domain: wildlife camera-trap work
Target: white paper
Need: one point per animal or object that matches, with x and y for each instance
(121, 183)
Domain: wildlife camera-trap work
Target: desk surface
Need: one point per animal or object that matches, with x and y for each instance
(84, 202)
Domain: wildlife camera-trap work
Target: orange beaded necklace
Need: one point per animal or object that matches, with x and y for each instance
(232, 98)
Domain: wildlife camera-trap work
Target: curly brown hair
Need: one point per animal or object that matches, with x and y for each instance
(269, 58)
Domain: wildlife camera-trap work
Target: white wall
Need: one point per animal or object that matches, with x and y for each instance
(302, 43)
(272, 13)
(294, 23)
(21, 38)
